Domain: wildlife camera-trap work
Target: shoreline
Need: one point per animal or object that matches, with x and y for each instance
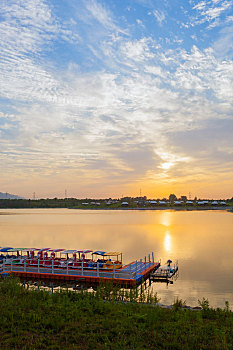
(157, 208)
(229, 209)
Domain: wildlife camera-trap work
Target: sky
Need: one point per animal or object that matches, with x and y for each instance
(109, 98)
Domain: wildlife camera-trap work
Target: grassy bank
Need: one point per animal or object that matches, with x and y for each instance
(37, 319)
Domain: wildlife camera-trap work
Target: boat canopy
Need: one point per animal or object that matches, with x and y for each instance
(99, 252)
(85, 251)
(5, 249)
(57, 250)
(16, 249)
(30, 249)
(71, 251)
(112, 254)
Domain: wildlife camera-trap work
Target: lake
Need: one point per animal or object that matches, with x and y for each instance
(201, 241)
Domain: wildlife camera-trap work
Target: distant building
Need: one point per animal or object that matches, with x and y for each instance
(177, 202)
(162, 203)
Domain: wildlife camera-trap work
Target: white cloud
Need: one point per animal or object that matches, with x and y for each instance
(103, 16)
(27, 29)
(160, 16)
(211, 12)
(136, 50)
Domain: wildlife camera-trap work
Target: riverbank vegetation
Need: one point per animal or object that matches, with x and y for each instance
(75, 203)
(39, 319)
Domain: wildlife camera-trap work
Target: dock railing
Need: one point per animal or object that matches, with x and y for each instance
(131, 271)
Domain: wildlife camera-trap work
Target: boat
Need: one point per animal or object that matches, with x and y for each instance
(165, 272)
(3, 257)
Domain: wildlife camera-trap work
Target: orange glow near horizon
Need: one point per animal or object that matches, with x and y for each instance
(86, 187)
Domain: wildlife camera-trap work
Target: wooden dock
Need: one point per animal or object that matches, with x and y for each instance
(128, 276)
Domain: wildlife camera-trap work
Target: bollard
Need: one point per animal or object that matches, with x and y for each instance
(153, 260)
(67, 268)
(11, 265)
(149, 258)
(98, 272)
(38, 266)
(82, 267)
(52, 266)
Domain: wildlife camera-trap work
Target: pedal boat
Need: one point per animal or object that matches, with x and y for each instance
(109, 259)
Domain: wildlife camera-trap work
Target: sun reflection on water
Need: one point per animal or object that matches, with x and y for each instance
(166, 219)
(167, 241)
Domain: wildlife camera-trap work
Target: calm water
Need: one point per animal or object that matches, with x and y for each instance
(202, 241)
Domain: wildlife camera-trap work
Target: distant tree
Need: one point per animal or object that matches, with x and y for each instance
(183, 198)
(172, 198)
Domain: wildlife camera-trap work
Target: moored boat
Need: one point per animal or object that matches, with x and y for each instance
(164, 272)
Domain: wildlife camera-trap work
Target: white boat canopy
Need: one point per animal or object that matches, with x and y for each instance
(71, 251)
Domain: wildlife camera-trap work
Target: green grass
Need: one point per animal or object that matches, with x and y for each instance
(37, 319)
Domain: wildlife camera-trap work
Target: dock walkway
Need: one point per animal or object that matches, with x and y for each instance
(128, 276)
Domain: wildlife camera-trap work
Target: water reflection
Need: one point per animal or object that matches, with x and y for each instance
(167, 241)
(165, 218)
(201, 241)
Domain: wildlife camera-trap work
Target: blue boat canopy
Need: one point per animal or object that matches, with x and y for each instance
(5, 249)
(99, 252)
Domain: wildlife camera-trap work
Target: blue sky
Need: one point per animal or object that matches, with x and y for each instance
(102, 98)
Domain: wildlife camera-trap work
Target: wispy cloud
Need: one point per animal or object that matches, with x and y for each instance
(160, 16)
(211, 11)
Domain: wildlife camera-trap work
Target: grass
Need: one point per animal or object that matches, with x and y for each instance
(106, 319)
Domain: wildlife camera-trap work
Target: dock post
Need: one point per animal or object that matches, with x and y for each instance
(52, 267)
(114, 275)
(153, 260)
(11, 265)
(24, 265)
(82, 267)
(98, 272)
(130, 272)
(38, 265)
(67, 267)
(149, 258)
